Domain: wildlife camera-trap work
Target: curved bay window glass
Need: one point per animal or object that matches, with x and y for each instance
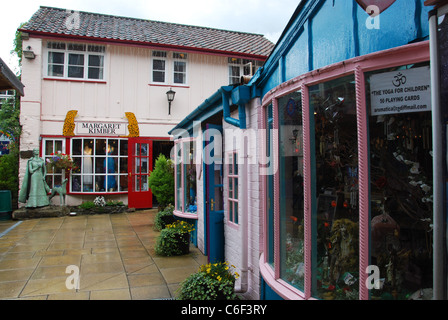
(401, 180)
(335, 220)
(269, 196)
(292, 260)
(185, 176)
(102, 165)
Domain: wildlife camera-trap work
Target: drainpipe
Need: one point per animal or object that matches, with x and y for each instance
(438, 167)
(244, 205)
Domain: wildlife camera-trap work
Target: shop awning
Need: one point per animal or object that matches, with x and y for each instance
(8, 79)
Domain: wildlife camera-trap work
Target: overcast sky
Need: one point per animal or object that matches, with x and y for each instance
(266, 17)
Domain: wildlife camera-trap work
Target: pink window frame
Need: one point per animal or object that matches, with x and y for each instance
(177, 213)
(232, 201)
(404, 55)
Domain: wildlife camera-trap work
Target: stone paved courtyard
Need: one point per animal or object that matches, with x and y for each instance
(114, 253)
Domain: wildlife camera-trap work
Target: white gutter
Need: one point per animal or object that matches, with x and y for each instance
(438, 167)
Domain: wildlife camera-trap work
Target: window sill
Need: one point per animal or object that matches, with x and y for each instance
(184, 215)
(168, 85)
(76, 80)
(282, 288)
(95, 193)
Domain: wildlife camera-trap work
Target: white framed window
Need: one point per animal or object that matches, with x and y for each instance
(242, 67)
(75, 61)
(163, 62)
(232, 179)
(159, 66)
(180, 68)
(51, 146)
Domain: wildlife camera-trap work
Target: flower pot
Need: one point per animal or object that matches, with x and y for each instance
(167, 220)
(183, 242)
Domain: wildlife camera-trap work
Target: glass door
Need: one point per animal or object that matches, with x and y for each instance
(140, 160)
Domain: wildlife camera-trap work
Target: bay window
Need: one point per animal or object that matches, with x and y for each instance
(185, 177)
(354, 185)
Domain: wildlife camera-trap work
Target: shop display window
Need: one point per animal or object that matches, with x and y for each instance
(401, 193)
(292, 267)
(102, 165)
(185, 176)
(269, 198)
(53, 146)
(335, 220)
(232, 198)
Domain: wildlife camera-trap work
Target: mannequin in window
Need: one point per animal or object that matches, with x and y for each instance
(87, 169)
(109, 165)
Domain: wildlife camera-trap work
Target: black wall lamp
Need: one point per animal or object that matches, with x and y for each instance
(170, 95)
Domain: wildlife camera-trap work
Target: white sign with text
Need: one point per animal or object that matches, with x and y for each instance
(401, 91)
(101, 128)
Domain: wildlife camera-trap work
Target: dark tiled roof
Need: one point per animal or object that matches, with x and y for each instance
(53, 21)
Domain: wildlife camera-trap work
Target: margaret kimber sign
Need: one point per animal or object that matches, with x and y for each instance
(101, 128)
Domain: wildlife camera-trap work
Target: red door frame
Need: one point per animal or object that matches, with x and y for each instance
(139, 195)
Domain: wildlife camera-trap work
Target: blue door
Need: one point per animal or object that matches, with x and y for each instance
(214, 206)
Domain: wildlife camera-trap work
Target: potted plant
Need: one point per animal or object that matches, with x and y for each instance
(212, 282)
(174, 240)
(163, 218)
(61, 161)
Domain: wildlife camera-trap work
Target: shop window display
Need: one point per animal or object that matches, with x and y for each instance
(401, 199)
(291, 189)
(102, 164)
(335, 220)
(50, 147)
(185, 176)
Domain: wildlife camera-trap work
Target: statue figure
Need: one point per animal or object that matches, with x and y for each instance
(34, 188)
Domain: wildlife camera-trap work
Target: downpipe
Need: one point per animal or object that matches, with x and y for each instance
(244, 205)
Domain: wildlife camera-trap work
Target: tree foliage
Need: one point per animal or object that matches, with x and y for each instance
(161, 181)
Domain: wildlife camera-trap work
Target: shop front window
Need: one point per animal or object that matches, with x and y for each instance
(292, 268)
(52, 146)
(401, 180)
(335, 261)
(269, 125)
(185, 176)
(102, 163)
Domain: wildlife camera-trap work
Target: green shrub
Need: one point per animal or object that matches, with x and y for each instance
(212, 282)
(87, 205)
(161, 181)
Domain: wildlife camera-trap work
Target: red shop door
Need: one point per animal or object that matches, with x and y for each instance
(139, 167)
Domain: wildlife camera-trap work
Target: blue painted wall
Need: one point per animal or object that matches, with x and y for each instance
(323, 32)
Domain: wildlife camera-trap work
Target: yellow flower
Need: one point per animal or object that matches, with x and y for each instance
(237, 275)
(219, 278)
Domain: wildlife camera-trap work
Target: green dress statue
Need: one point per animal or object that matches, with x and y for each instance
(34, 188)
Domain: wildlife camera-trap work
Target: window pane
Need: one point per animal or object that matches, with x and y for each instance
(336, 263)
(76, 59)
(158, 65)
(291, 190)
(96, 73)
(179, 78)
(401, 189)
(158, 76)
(100, 148)
(55, 71)
(56, 57)
(76, 72)
(96, 61)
